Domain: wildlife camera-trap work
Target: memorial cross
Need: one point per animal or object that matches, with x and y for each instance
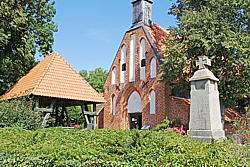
(202, 62)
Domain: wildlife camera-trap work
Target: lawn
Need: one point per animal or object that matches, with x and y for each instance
(58, 147)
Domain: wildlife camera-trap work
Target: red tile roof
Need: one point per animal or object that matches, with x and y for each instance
(54, 77)
(231, 115)
(159, 36)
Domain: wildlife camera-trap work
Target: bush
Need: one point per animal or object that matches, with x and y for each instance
(75, 115)
(163, 126)
(58, 147)
(19, 113)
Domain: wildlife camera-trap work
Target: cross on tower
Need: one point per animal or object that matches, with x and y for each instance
(202, 62)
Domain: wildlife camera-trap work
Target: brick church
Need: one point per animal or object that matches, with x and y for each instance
(134, 93)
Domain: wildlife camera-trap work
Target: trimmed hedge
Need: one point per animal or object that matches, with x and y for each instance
(19, 113)
(58, 147)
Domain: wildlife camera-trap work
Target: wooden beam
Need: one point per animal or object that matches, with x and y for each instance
(57, 111)
(61, 117)
(67, 115)
(90, 113)
(50, 109)
(94, 107)
(95, 122)
(85, 116)
(86, 107)
(48, 112)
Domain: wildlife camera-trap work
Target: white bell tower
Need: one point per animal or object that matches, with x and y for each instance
(142, 12)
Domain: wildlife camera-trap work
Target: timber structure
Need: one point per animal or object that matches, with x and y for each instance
(55, 85)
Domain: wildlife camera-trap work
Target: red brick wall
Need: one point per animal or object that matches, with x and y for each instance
(123, 91)
(179, 108)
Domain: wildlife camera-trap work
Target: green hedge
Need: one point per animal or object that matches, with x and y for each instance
(19, 113)
(57, 147)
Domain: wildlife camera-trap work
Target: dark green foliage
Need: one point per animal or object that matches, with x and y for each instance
(19, 113)
(95, 78)
(57, 147)
(75, 115)
(26, 28)
(218, 29)
(163, 126)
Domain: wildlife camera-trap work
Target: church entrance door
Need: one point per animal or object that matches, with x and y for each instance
(135, 121)
(135, 110)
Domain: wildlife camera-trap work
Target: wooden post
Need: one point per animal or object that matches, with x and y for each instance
(67, 115)
(94, 107)
(57, 111)
(36, 103)
(48, 112)
(85, 116)
(86, 107)
(95, 122)
(94, 119)
(61, 117)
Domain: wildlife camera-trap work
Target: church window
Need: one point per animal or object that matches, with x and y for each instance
(153, 68)
(114, 76)
(132, 58)
(152, 102)
(123, 67)
(113, 105)
(142, 59)
(123, 64)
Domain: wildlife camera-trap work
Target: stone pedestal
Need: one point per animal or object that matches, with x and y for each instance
(205, 117)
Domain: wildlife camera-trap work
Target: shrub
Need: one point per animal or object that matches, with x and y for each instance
(58, 147)
(163, 126)
(75, 115)
(175, 122)
(19, 113)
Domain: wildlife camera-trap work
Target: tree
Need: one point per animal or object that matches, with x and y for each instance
(95, 78)
(26, 29)
(218, 29)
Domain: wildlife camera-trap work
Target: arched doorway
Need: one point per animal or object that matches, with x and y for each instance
(135, 110)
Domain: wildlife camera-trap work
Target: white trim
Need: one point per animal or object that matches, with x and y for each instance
(113, 105)
(122, 61)
(113, 79)
(132, 58)
(152, 102)
(142, 56)
(153, 68)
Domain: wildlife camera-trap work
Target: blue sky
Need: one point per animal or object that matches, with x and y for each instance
(90, 31)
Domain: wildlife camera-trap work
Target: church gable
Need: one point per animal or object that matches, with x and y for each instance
(133, 79)
(134, 58)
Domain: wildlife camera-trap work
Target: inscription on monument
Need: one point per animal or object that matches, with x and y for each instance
(200, 84)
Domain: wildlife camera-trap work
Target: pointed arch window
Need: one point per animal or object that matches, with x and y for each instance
(123, 64)
(142, 59)
(152, 102)
(152, 68)
(113, 76)
(113, 105)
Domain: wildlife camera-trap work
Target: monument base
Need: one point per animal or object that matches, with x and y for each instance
(207, 135)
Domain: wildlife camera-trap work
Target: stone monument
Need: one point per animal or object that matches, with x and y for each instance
(205, 117)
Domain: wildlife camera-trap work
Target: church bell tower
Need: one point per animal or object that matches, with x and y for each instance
(142, 12)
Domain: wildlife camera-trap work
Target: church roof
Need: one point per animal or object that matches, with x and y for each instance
(54, 77)
(158, 36)
(231, 115)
